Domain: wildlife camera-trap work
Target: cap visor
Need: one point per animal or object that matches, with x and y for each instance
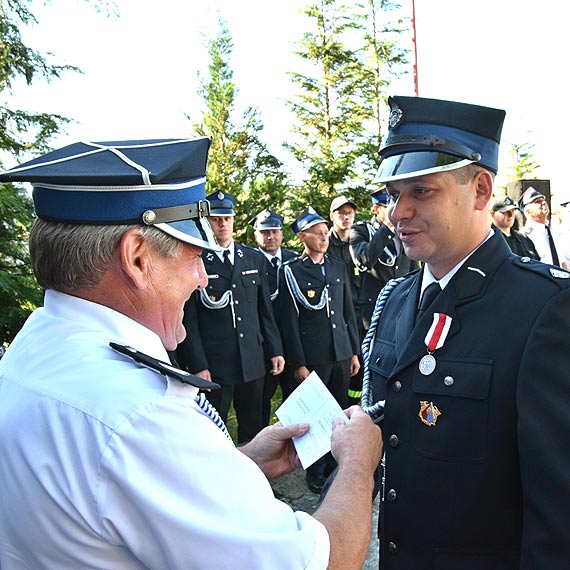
(196, 232)
(412, 164)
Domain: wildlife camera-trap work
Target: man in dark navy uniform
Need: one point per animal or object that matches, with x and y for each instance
(473, 379)
(318, 322)
(268, 234)
(231, 327)
(503, 211)
(341, 213)
(378, 254)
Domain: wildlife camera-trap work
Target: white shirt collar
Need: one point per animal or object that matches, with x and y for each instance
(428, 278)
(230, 248)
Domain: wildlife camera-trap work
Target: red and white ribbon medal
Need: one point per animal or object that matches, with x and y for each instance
(435, 339)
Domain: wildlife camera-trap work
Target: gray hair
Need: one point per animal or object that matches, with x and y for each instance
(69, 257)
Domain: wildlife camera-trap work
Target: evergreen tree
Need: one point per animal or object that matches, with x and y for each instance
(238, 161)
(21, 132)
(524, 165)
(350, 54)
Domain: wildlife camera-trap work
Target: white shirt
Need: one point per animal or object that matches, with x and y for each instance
(230, 250)
(539, 236)
(270, 256)
(106, 464)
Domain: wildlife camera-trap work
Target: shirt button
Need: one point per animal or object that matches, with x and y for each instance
(394, 441)
(448, 380)
(392, 547)
(397, 386)
(392, 495)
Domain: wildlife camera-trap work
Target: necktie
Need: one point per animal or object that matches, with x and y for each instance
(227, 261)
(275, 261)
(555, 260)
(428, 296)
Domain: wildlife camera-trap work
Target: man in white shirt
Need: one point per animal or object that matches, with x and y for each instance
(537, 212)
(109, 456)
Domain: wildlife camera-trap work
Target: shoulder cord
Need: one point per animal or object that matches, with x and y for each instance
(212, 413)
(367, 405)
(297, 294)
(226, 299)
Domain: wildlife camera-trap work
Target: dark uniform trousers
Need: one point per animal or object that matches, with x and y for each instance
(285, 379)
(234, 342)
(322, 340)
(486, 486)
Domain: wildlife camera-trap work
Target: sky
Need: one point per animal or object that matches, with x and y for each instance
(140, 70)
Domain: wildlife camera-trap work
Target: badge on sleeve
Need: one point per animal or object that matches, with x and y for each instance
(428, 413)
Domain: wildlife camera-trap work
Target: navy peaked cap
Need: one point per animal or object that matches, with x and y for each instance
(267, 220)
(159, 182)
(433, 135)
(222, 204)
(380, 196)
(307, 219)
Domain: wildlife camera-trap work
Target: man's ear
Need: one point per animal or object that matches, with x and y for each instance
(483, 181)
(135, 257)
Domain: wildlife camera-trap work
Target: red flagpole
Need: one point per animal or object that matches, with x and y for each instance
(416, 83)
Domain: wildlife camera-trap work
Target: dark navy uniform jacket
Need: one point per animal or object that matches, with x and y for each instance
(372, 246)
(271, 271)
(488, 486)
(232, 354)
(315, 337)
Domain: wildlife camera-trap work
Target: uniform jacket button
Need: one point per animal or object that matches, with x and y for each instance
(392, 495)
(448, 380)
(394, 441)
(397, 386)
(392, 547)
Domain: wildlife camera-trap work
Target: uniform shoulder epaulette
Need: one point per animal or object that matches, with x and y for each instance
(551, 272)
(292, 260)
(163, 367)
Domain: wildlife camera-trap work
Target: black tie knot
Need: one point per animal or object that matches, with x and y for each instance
(428, 296)
(275, 261)
(227, 258)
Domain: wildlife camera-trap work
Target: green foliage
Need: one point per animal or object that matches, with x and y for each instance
(238, 161)
(21, 132)
(19, 292)
(524, 165)
(350, 56)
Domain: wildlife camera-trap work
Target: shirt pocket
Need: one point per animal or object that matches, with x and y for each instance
(460, 391)
(251, 283)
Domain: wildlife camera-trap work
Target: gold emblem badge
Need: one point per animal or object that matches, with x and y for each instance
(428, 413)
(310, 293)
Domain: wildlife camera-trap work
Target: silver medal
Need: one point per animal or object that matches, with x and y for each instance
(427, 364)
